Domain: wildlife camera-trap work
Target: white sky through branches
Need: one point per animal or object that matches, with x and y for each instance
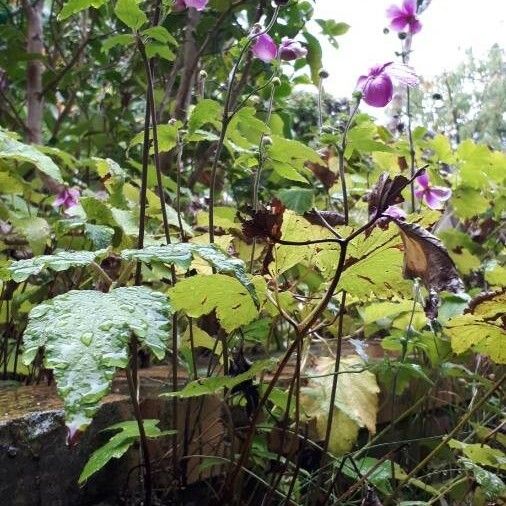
(449, 28)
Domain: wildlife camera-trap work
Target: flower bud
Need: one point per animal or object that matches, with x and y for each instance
(266, 141)
(203, 75)
(402, 35)
(357, 95)
(323, 74)
(172, 121)
(276, 81)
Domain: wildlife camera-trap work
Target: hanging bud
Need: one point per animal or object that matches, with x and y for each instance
(276, 81)
(323, 74)
(202, 75)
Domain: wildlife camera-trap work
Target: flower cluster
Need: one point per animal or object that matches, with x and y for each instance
(266, 49)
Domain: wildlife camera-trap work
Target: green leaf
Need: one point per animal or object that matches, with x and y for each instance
(36, 230)
(314, 56)
(118, 445)
(493, 486)
(206, 111)
(471, 332)
(213, 384)
(297, 199)
(181, 254)
(12, 149)
(57, 262)
(161, 50)
(100, 235)
(123, 39)
(161, 34)
(481, 454)
(332, 27)
(199, 295)
(75, 6)
(86, 335)
(363, 137)
(130, 13)
(380, 478)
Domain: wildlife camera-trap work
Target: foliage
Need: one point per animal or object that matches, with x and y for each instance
(178, 196)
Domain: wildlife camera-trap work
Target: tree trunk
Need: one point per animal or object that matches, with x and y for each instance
(35, 68)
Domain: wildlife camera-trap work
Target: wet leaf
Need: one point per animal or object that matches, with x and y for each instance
(57, 262)
(86, 334)
(181, 254)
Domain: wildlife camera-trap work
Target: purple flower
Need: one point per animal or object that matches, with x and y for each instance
(264, 48)
(199, 5)
(67, 199)
(290, 49)
(433, 196)
(403, 16)
(395, 212)
(377, 86)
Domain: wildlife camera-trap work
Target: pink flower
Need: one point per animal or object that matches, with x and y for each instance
(433, 196)
(68, 198)
(395, 212)
(377, 86)
(264, 48)
(403, 16)
(290, 49)
(199, 5)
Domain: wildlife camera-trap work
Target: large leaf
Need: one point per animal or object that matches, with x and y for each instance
(181, 254)
(36, 230)
(118, 445)
(199, 295)
(59, 261)
(12, 149)
(86, 334)
(355, 405)
(482, 330)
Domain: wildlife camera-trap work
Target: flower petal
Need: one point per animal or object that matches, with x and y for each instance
(409, 7)
(378, 91)
(398, 23)
(402, 74)
(265, 48)
(432, 199)
(199, 5)
(415, 25)
(419, 194)
(290, 49)
(394, 12)
(441, 193)
(423, 181)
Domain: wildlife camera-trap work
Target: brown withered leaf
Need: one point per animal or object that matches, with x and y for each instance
(426, 258)
(264, 223)
(323, 171)
(333, 218)
(387, 192)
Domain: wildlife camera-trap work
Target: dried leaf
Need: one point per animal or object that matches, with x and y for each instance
(264, 223)
(426, 258)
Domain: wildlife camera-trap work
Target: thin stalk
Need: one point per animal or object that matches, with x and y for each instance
(146, 469)
(340, 152)
(226, 121)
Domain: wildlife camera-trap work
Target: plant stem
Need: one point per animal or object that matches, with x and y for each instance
(226, 118)
(134, 396)
(340, 152)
